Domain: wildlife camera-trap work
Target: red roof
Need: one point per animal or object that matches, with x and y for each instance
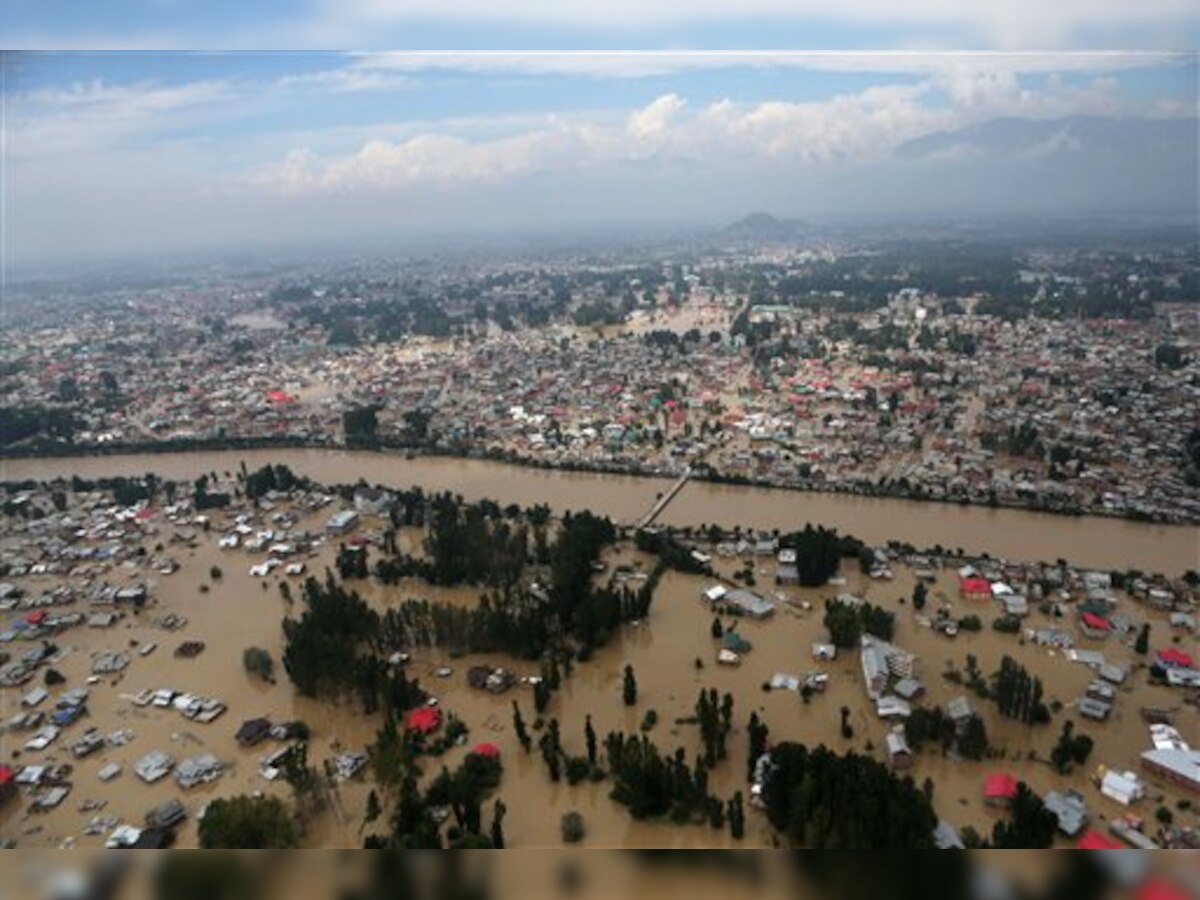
(144, 514)
(36, 617)
(1155, 888)
(424, 719)
(1094, 840)
(489, 750)
(1000, 784)
(6, 775)
(1175, 657)
(1094, 621)
(975, 586)
(279, 396)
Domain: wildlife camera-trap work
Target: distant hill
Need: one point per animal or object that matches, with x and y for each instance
(1016, 139)
(761, 226)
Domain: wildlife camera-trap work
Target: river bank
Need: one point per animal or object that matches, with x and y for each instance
(889, 490)
(1097, 541)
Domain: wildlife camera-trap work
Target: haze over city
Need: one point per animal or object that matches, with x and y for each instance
(138, 155)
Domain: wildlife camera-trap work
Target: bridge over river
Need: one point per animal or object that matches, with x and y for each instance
(666, 497)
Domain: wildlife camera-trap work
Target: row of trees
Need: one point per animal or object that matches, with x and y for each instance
(651, 784)
(270, 478)
(931, 724)
(819, 551)
(517, 622)
(847, 622)
(1018, 694)
(821, 800)
(323, 648)
(463, 791)
(672, 554)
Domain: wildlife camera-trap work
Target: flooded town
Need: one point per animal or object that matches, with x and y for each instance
(146, 674)
(871, 529)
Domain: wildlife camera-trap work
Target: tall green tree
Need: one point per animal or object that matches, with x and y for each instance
(629, 688)
(243, 822)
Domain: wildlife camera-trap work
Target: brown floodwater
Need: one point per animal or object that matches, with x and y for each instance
(1097, 541)
(237, 612)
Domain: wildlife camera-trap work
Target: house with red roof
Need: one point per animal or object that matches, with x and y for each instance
(1094, 840)
(1095, 626)
(488, 750)
(999, 789)
(8, 783)
(424, 719)
(1174, 658)
(975, 588)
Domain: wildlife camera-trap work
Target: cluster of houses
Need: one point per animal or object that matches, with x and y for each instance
(1170, 759)
(838, 411)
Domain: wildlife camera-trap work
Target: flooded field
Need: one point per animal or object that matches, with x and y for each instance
(1015, 534)
(673, 656)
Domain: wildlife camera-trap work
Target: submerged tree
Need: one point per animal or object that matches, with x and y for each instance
(629, 689)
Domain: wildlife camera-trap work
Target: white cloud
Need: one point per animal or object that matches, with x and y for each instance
(88, 116)
(861, 126)
(651, 123)
(350, 79)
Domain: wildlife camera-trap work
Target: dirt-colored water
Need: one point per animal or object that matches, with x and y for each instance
(237, 612)
(1015, 534)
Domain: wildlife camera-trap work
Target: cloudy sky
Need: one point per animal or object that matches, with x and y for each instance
(534, 123)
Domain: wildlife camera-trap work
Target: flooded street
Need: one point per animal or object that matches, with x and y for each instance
(1105, 543)
(239, 611)
(673, 655)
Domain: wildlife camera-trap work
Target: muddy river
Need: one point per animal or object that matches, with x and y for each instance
(1015, 534)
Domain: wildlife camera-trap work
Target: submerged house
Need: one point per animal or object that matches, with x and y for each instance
(1094, 626)
(749, 603)
(153, 766)
(881, 662)
(1070, 810)
(198, 770)
(253, 731)
(899, 753)
(1178, 765)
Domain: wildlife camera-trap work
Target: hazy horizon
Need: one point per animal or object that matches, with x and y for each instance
(123, 156)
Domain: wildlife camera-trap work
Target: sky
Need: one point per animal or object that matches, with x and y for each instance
(153, 127)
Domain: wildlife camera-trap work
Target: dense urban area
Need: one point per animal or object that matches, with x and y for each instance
(203, 643)
(1058, 377)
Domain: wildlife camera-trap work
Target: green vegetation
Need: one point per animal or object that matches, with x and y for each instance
(931, 724)
(629, 689)
(248, 823)
(920, 595)
(847, 622)
(1018, 694)
(50, 422)
(322, 648)
(820, 800)
(360, 425)
(1005, 624)
(1031, 825)
(652, 785)
(672, 554)
(819, 551)
(970, 623)
(572, 827)
(257, 661)
(1142, 644)
(1070, 748)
